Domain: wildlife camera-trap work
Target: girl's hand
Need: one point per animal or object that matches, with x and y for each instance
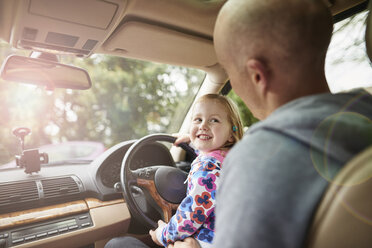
(154, 238)
(181, 138)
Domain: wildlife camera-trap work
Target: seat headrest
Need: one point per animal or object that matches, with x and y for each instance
(344, 215)
(369, 32)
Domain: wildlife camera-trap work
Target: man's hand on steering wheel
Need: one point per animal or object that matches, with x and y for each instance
(186, 243)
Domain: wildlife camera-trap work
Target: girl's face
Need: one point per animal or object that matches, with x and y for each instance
(210, 128)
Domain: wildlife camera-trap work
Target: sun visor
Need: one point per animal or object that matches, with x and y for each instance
(150, 42)
(67, 26)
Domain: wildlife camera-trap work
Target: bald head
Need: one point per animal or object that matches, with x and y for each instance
(276, 31)
(273, 50)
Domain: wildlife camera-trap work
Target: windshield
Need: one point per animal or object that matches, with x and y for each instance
(128, 100)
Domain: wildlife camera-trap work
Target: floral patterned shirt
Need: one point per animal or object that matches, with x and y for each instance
(195, 215)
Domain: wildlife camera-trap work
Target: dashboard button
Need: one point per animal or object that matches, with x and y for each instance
(73, 227)
(30, 238)
(83, 217)
(85, 224)
(53, 232)
(63, 229)
(41, 235)
(16, 241)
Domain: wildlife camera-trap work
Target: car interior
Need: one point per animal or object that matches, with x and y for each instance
(127, 188)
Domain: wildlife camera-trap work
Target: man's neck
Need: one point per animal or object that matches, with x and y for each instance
(278, 99)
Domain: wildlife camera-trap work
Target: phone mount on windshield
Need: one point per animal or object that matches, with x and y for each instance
(30, 159)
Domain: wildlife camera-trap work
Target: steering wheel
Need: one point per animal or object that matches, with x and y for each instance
(164, 183)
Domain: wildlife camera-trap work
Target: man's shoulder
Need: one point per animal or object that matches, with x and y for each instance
(256, 147)
(309, 111)
(340, 120)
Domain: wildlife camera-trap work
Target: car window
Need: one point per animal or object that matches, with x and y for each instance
(128, 100)
(347, 63)
(246, 115)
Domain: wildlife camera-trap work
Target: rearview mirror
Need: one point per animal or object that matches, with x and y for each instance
(44, 73)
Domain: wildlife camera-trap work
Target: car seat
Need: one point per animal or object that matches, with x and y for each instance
(344, 215)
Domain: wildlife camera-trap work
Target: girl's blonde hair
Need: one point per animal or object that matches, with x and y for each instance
(233, 115)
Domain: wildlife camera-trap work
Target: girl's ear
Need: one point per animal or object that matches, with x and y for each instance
(231, 138)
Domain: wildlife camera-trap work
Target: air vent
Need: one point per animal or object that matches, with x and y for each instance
(60, 189)
(16, 194)
(37, 193)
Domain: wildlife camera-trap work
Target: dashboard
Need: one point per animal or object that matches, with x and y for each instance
(70, 205)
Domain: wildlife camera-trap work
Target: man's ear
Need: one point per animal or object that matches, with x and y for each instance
(259, 74)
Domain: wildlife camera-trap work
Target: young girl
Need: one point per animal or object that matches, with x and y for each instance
(215, 128)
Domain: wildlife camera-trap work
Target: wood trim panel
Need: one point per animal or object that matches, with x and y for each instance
(95, 203)
(109, 221)
(19, 218)
(165, 206)
(11, 220)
